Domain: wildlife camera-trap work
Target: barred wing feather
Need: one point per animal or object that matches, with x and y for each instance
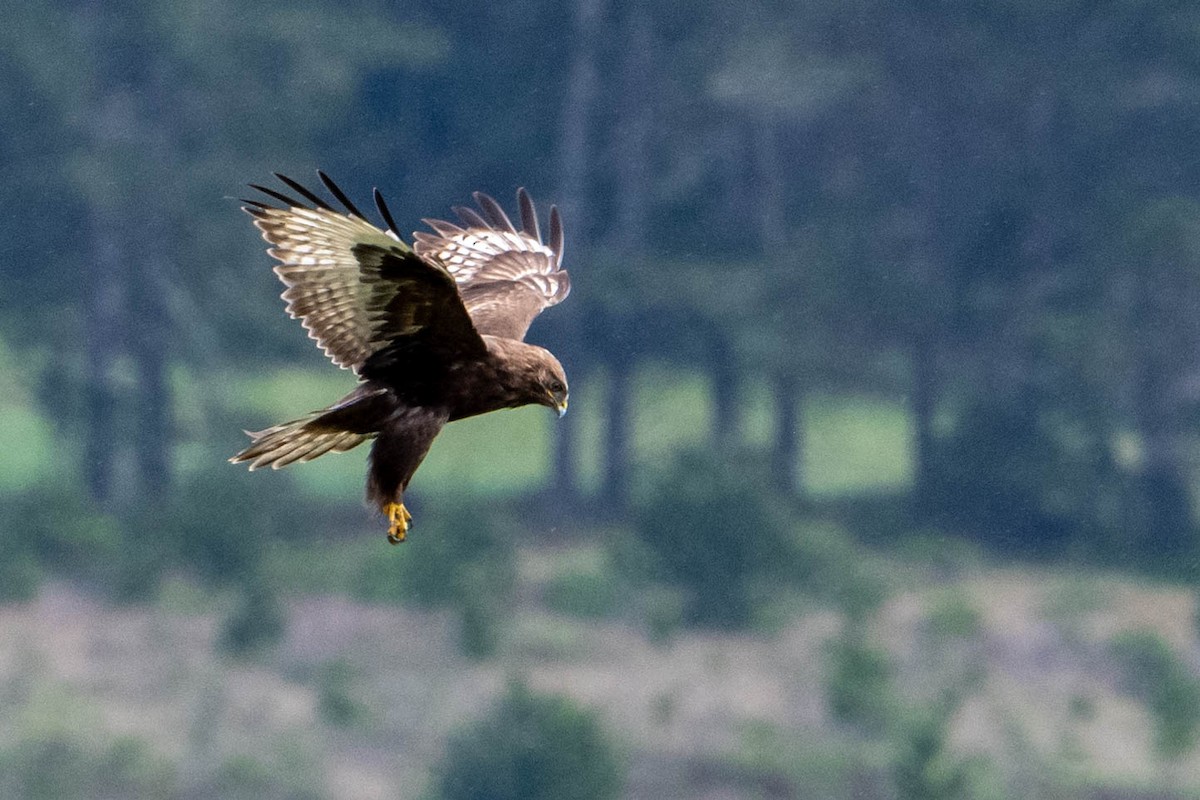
(506, 276)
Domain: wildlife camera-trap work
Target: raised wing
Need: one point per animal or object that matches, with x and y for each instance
(506, 276)
(357, 289)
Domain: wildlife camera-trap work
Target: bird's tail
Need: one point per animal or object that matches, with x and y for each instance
(297, 441)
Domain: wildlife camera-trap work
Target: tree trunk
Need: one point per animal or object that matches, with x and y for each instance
(772, 219)
(789, 434)
(617, 454)
(633, 137)
(787, 452)
(152, 434)
(1162, 514)
(632, 196)
(724, 389)
(574, 155)
(924, 394)
(151, 335)
(101, 308)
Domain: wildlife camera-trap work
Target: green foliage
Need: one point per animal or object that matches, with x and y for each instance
(53, 526)
(530, 747)
(858, 683)
(218, 520)
(950, 557)
(795, 763)
(336, 703)
(20, 576)
(825, 562)
(482, 607)
(257, 622)
(923, 769)
(587, 593)
(954, 616)
(1157, 676)
(244, 777)
(714, 529)
(996, 474)
(67, 767)
(662, 609)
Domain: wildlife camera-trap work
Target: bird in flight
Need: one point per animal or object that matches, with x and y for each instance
(433, 331)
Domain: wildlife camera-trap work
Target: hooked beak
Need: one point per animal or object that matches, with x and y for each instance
(559, 404)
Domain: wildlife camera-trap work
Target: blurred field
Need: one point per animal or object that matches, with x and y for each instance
(1046, 706)
(853, 444)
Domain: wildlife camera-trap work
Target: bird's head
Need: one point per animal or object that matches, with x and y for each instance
(550, 384)
(534, 375)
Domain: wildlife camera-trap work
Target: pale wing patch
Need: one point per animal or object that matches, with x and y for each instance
(328, 290)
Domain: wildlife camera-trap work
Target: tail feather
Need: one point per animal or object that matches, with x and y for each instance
(296, 442)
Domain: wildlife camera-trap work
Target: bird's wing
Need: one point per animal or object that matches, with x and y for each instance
(356, 288)
(506, 276)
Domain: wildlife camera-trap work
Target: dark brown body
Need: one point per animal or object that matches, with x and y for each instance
(406, 403)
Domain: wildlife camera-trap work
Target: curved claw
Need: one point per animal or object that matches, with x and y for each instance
(398, 522)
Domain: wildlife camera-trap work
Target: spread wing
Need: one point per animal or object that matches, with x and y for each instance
(357, 289)
(506, 276)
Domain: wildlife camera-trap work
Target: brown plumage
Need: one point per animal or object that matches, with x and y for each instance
(434, 333)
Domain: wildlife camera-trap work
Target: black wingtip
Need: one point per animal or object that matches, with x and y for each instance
(301, 190)
(280, 196)
(556, 234)
(384, 212)
(340, 195)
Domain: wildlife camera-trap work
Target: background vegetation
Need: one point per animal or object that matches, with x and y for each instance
(879, 477)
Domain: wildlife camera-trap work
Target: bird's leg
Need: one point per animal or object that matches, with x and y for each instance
(398, 521)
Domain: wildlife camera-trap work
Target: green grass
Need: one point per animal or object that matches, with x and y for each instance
(856, 444)
(31, 455)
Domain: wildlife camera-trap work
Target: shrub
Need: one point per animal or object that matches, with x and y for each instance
(1154, 674)
(256, 623)
(858, 684)
(953, 616)
(1003, 475)
(589, 593)
(243, 777)
(530, 747)
(62, 767)
(20, 576)
(217, 522)
(922, 768)
(714, 529)
(52, 528)
(336, 703)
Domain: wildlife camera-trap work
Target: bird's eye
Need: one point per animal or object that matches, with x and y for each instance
(556, 386)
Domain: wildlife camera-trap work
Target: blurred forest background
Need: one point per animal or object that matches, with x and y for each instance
(879, 479)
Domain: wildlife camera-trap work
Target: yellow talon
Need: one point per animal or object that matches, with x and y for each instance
(398, 522)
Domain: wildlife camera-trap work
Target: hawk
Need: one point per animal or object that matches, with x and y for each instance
(433, 331)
